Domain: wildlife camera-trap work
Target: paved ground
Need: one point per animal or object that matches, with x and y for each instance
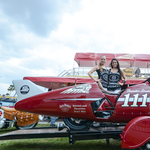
(56, 122)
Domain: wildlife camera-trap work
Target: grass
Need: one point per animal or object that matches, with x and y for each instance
(56, 144)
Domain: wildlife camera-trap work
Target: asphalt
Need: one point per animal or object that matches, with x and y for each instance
(47, 122)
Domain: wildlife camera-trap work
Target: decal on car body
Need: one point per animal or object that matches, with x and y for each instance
(24, 89)
(78, 89)
(65, 107)
(135, 99)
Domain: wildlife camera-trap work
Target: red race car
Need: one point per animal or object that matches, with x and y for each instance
(82, 104)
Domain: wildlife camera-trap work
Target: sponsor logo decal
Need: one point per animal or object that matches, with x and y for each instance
(79, 108)
(93, 56)
(24, 89)
(126, 57)
(76, 108)
(78, 89)
(65, 107)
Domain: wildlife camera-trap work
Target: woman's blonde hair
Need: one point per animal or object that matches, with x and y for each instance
(100, 67)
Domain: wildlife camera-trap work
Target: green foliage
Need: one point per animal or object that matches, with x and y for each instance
(11, 88)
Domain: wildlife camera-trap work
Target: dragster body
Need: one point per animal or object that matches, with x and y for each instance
(88, 102)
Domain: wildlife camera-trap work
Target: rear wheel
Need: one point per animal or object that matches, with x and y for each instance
(6, 124)
(25, 127)
(146, 146)
(77, 124)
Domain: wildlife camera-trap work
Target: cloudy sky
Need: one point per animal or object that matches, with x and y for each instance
(41, 37)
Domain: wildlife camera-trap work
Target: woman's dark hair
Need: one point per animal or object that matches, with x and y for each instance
(118, 66)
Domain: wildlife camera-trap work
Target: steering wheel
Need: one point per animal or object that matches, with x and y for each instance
(148, 79)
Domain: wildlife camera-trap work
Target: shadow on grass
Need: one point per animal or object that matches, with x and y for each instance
(58, 144)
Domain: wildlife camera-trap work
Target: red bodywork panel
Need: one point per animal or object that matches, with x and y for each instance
(86, 101)
(136, 133)
(133, 102)
(57, 82)
(112, 98)
(64, 102)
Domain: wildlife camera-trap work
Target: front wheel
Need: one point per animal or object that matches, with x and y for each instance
(26, 127)
(77, 124)
(146, 146)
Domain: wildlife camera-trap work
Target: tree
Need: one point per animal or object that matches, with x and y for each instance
(11, 88)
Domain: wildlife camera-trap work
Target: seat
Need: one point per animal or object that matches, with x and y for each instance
(8, 109)
(9, 113)
(104, 107)
(103, 114)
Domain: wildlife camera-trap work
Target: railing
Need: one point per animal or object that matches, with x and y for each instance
(83, 72)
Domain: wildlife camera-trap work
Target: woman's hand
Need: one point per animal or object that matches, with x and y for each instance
(119, 83)
(98, 80)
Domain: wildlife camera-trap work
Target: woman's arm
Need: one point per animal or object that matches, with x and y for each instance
(91, 71)
(123, 75)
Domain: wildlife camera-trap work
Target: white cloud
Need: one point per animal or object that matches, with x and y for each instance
(2, 87)
(107, 25)
(84, 26)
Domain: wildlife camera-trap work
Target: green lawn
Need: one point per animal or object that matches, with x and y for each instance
(57, 144)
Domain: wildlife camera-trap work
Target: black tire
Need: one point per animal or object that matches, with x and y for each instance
(143, 147)
(131, 149)
(77, 124)
(6, 125)
(26, 127)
